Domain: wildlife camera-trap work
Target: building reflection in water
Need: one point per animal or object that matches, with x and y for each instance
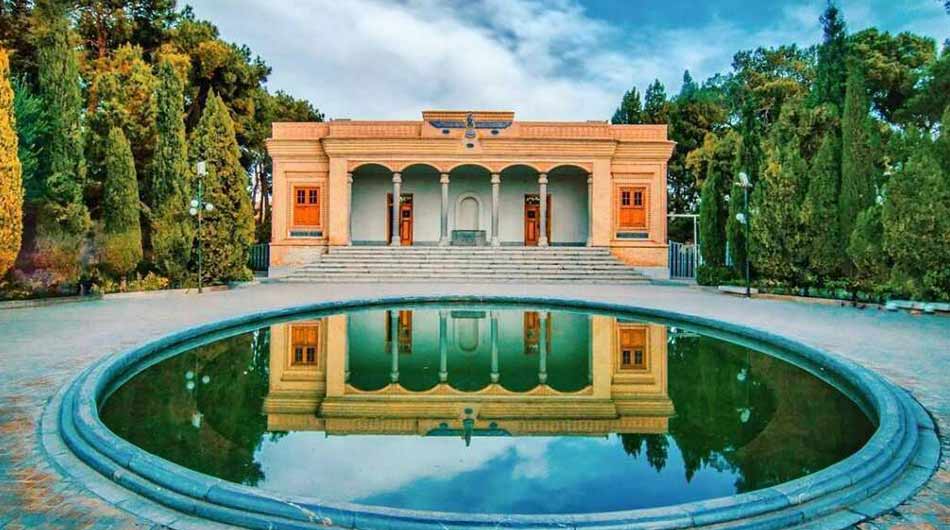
(460, 372)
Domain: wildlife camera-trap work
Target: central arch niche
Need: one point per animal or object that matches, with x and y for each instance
(468, 213)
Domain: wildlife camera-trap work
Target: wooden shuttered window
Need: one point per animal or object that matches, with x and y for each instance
(307, 204)
(632, 207)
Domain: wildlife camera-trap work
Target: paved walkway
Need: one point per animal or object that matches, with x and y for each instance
(43, 347)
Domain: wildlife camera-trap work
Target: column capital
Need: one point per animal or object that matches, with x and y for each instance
(444, 178)
(397, 177)
(590, 178)
(496, 178)
(349, 177)
(542, 178)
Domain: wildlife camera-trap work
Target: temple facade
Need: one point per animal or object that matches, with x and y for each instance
(460, 178)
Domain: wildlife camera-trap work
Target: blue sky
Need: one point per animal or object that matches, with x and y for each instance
(544, 59)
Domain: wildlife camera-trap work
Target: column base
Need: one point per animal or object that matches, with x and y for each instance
(543, 242)
(444, 242)
(495, 242)
(395, 242)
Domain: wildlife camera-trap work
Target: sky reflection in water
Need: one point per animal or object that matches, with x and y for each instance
(569, 412)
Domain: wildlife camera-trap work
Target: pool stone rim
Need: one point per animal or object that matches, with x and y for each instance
(899, 457)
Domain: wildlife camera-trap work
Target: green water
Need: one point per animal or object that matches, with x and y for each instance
(477, 409)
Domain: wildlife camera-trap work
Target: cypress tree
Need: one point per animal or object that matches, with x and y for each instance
(775, 228)
(711, 220)
(11, 181)
(655, 106)
(866, 250)
(121, 232)
(831, 70)
(857, 162)
(63, 219)
(60, 89)
(630, 110)
(228, 230)
(916, 222)
(824, 244)
(172, 229)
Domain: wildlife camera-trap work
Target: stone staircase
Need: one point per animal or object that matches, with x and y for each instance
(467, 264)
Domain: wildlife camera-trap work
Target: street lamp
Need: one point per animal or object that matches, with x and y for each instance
(743, 219)
(197, 207)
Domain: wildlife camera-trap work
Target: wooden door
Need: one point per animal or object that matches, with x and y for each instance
(632, 351)
(305, 344)
(532, 219)
(306, 206)
(632, 207)
(405, 218)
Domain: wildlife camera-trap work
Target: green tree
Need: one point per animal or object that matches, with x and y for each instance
(715, 160)
(122, 95)
(866, 251)
(17, 36)
(630, 110)
(172, 232)
(823, 242)
(857, 159)
(831, 71)
(228, 230)
(775, 224)
(121, 244)
(63, 219)
(32, 127)
(916, 222)
(11, 181)
(893, 65)
(925, 107)
(656, 109)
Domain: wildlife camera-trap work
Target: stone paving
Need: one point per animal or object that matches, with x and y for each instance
(43, 347)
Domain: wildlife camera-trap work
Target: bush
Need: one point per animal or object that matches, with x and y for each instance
(715, 275)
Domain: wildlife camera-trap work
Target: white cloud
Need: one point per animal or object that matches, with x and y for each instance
(544, 59)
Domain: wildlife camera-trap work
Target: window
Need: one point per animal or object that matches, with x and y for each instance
(304, 344)
(307, 206)
(625, 198)
(632, 350)
(638, 198)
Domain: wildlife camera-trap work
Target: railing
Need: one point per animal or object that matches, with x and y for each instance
(259, 257)
(683, 260)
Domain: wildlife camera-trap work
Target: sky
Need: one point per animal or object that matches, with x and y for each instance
(543, 59)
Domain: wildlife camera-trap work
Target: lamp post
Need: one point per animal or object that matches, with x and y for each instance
(743, 219)
(198, 207)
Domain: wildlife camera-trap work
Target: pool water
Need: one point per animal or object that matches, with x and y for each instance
(487, 409)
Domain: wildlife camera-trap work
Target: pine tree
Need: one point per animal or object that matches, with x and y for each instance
(31, 128)
(823, 243)
(228, 230)
(172, 229)
(689, 87)
(831, 70)
(655, 106)
(630, 110)
(63, 219)
(121, 244)
(857, 162)
(11, 183)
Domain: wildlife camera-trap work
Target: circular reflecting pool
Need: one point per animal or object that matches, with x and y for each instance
(487, 409)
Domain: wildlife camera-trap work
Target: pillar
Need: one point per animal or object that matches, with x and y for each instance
(590, 210)
(495, 195)
(543, 349)
(397, 196)
(444, 233)
(443, 348)
(543, 198)
(394, 345)
(494, 347)
(349, 209)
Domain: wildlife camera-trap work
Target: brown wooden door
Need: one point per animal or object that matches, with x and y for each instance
(631, 207)
(307, 206)
(405, 218)
(532, 219)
